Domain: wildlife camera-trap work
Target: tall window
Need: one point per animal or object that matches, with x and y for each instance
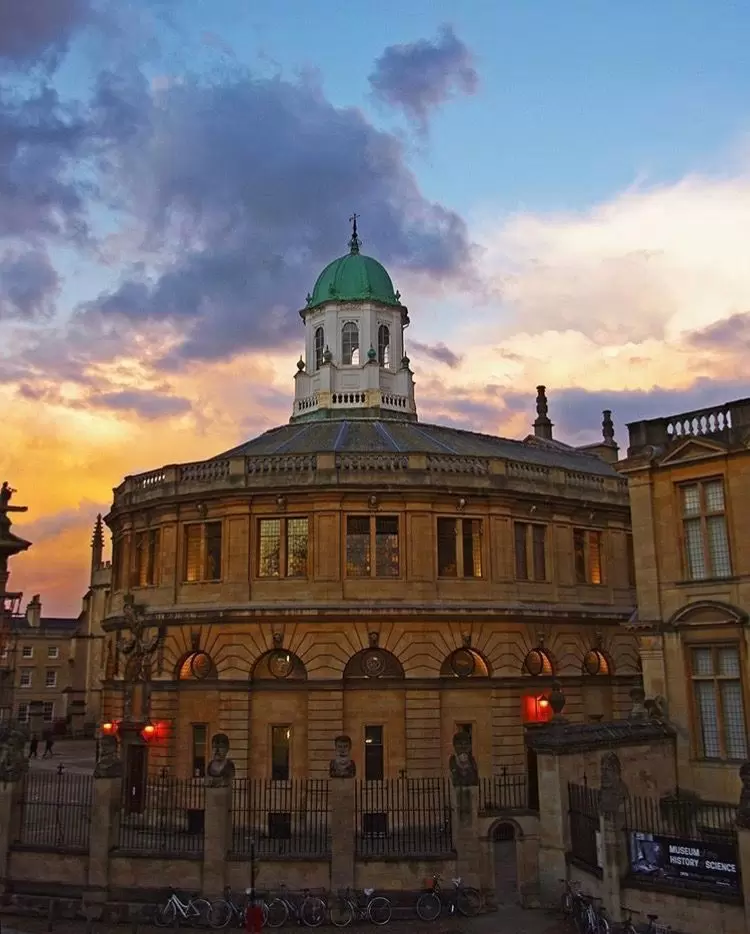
(48, 711)
(374, 762)
(27, 651)
(202, 551)
(117, 564)
(320, 341)
(281, 744)
(350, 344)
(384, 345)
(587, 550)
(25, 681)
(531, 557)
(50, 678)
(717, 689)
(145, 563)
(199, 745)
(459, 544)
(23, 713)
(704, 527)
(372, 546)
(282, 550)
(53, 651)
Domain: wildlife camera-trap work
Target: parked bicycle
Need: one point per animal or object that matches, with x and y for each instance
(651, 928)
(310, 909)
(462, 898)
(195, 911)
(359, 906)
(571, 901)
(591, 918)
(226, 911)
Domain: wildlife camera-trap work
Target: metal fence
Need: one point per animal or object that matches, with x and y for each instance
(403, 817)
(683, 817)
(168, 816)
(583, 814)
(56, 810)
(280, 818)
(508, 791)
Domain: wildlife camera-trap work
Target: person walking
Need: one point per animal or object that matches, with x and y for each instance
(33, 746)
(48, 744)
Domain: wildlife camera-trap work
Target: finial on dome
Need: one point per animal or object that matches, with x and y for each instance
(355, 241)
(300, 364)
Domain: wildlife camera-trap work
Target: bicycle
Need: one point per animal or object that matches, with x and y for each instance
(464, 899)
(571, 901)
(225, 911)
(591, 919)
(310, 910)
(651, 928)
(349, 907)
(195, 911)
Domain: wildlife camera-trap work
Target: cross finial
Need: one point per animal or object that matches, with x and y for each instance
(354, 242)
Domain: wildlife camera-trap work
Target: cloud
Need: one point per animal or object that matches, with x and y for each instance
(731, 334)
(51, 526)
(418, 77)
(438, 352)
(38, 30)
(142, 403)
(28, 285)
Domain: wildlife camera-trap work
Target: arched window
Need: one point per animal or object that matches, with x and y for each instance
(279, 665)
(384, 345)
(350, 344)
(319, 347)
(464, 663)
(373, 663)
(538, 662)
(197, 666)
(595, 662)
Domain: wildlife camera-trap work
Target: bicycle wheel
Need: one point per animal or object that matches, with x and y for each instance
(469, 901)
(341, 913)
(220, 914)
(200, 909)
(379, 910)
(278, 913)
(165, 915)
(313, 911)
(602, 925)
(428, 906)
(264, 909)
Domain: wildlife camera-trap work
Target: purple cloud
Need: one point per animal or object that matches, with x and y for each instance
(39, 30)
(28, 285)
(418, 77)
(148, 405)
(730, 334)
(438, 352)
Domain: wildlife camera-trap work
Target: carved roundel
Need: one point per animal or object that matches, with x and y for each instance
(463, 663)
(373, 663)
(595, 663)
(537, 662)
(280, 664)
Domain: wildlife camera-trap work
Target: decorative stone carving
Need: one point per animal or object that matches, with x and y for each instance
(138, 648)
(638, 710)
(342, 765)
(462, 764)
(373, 663)
(373, 638)
(612, 786)
(743, 811)
(656, 708)
(280, 664)
(278, 640)
(557, 701)
(108, 765)
(13, 761)
(463, 663)
(220, 770)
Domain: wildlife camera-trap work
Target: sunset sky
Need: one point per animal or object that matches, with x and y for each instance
(561, 192)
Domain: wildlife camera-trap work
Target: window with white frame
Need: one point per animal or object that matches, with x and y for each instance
(25, 681)
(716, 676)
(50, 678)
(350, 344)
(48, 711)
(704, 529)
(27, 651)
(320, 341)
(53, 651)
(23, 713)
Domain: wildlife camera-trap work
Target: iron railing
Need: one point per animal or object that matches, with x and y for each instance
(280, 818)
(403, 817)
(168, 816)
(508, 791)
(682, 817)
(583, 814)
(56, 810)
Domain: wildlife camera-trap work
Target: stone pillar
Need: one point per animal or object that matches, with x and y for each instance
(743, 838)
(343, 832)
(105, 819)
(466, 843)
(613, 849)
(217, 839)
(553, 826)
(10, 818)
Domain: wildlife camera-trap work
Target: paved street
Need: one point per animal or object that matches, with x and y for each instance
(77, 755)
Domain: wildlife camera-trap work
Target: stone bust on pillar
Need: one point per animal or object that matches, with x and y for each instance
(108, 765)
(462, 764)
(612, 785)
(342, 765)
(220, 770)
(13, 761)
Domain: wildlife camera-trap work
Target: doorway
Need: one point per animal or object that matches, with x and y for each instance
(506, 866)
(136, 770)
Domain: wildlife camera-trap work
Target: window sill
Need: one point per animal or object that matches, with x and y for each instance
(717, 763)
(209, 580)
(278, 578)
(462, 579)
(703, 581)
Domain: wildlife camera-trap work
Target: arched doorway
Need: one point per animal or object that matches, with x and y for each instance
(506, 865)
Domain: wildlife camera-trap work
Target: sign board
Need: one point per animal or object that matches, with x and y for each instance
(675, 859)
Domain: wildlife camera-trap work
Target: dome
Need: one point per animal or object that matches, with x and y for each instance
(353, 277)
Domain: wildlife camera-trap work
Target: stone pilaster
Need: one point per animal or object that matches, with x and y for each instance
(103, 831)
(466, 843)
(612, 852)
(553, 826)
(10, 821)
(217, 840)
(343, 833)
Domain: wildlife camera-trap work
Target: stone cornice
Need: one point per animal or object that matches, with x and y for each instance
(565, 738)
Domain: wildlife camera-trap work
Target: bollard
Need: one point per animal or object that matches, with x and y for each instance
(51, 914)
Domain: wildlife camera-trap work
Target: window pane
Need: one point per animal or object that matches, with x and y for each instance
(696, 562)
(446, 547)
(735, 736)
(729, 661)
(718, 546)
(141, 560)
(269, 550)
(472, 547)
(520, 535)
(319, 347)
(350, 343)
(280, 749)
(200, 739)
(579, 555)
(714, 493)
(384, 345)
(386, 546)
(358, 546)
(708, 717)
(538, 536)
(703, 661)
(374, 770)
(154, 557)
(213, 551)
(192, 552)
(595, 558)
(691, 500)
(296, 547)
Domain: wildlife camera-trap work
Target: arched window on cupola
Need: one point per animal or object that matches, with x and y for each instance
(319, 347)
(350, 344)
(384, 345)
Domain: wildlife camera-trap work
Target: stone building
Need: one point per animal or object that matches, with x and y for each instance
(689, 478)
(359, 572)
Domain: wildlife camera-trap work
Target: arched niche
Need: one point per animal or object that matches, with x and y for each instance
(372, 664)
(538, 663)
(465, 663)
(279, 665)
(597, 663)
(708, 613)
(196, 666)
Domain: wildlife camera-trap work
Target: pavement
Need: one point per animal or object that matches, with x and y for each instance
(77, 756)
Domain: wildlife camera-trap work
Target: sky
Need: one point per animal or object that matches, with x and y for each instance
(560, 191)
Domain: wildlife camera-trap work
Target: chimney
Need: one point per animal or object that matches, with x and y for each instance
(97, 545)
(542, 425)
(34, 611)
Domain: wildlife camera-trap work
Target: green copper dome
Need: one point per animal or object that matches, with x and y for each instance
(353, 277)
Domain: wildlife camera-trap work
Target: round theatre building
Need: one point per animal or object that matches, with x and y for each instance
(359, 572)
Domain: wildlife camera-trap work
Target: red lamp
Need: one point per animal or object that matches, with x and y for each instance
(148, 732)
(536, 708)
(109, 728)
